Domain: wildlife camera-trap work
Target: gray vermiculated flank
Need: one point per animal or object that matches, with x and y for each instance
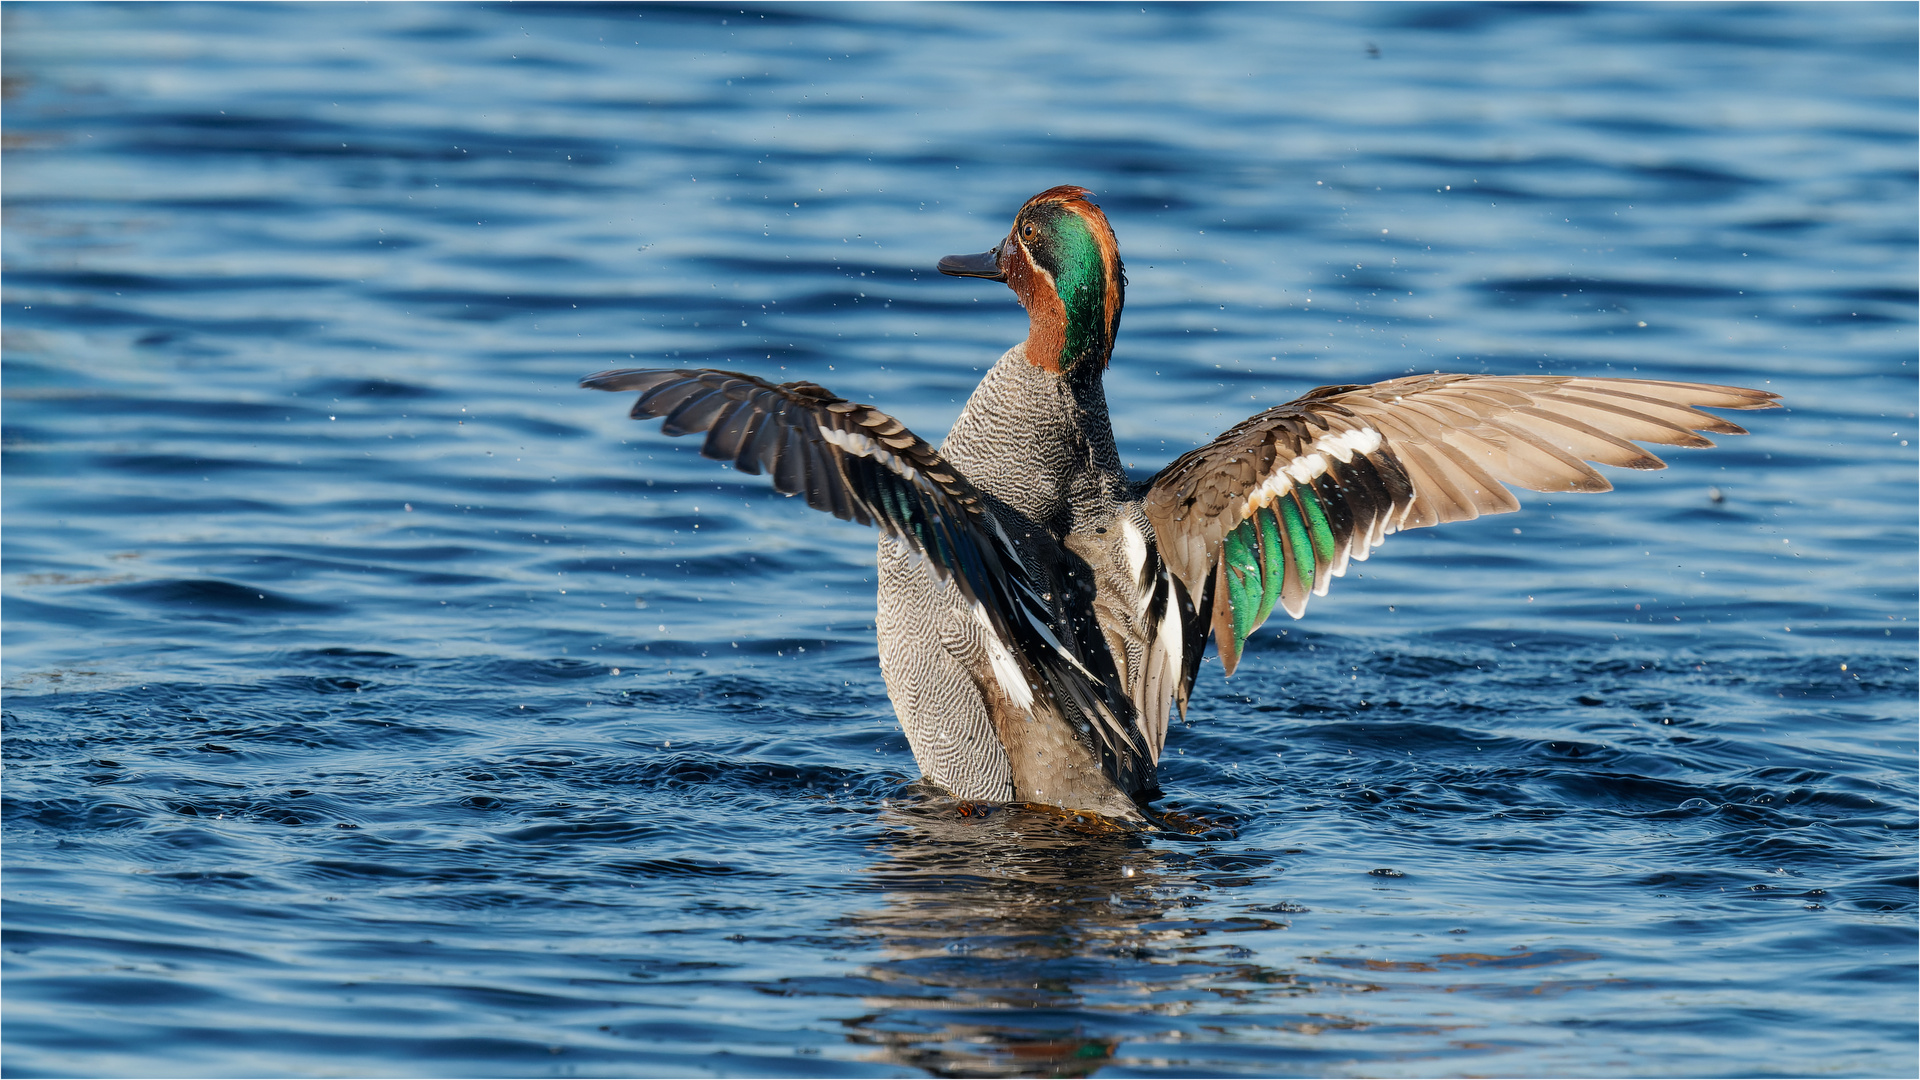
(1041, 447)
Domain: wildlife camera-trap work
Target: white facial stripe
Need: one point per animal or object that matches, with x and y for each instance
(1043, 273)
(861, 446)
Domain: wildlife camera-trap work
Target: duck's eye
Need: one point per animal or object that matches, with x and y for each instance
(1026, 230)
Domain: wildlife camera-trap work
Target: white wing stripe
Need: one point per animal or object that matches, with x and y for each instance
(861, 446)
(1340, 445)
(1344, 444)
(1305, 467)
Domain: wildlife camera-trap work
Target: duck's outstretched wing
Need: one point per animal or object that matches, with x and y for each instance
(859, 464)
(1273, 509)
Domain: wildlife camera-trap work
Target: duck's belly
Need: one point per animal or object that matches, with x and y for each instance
(930, 650)
(966, 732)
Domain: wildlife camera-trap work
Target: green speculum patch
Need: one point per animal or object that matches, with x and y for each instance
(1291, 535)
(1256, 565)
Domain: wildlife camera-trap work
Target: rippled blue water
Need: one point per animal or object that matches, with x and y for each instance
(379, 703)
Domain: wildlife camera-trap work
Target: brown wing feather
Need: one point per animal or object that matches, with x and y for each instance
(1400, 454)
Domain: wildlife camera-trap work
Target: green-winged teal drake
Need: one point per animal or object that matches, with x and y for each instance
(1041, 615)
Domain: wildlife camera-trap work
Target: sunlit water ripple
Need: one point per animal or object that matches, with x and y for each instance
(379, 703)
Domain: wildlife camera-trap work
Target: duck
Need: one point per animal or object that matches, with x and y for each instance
(1042, 616)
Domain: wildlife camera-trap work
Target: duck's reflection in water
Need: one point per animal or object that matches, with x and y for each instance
(1018, 944)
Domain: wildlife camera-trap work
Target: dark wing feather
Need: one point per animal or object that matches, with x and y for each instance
(859, 464)
(1274, 508)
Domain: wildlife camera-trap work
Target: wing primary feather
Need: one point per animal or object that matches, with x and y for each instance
(1273, 558)
(1483, 492)
(1372, 505)
(1579, 438)
(862, 481)
(1334, 498)
(696, 413)
(1678, 414)
(1221, 612)
(878, 483)
(667, 396)
(764, 451)
(790, 468)
(839, 487)
(1300, 567)
(1195, 619)
(1432, 498)
(1393, 480)
(1319, 533)
(1634, 418)
(746, 459)
(855, 471)
(730, 428)
(641, 379)
(1697, 395)
(1242, 562)
(820, 473)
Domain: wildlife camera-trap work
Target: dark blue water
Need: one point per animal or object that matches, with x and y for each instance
(377, 702)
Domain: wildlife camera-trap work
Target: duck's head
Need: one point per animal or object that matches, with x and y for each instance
(1063, 263)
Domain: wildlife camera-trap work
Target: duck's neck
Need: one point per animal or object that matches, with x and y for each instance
(1040, 441)
(1068, 331)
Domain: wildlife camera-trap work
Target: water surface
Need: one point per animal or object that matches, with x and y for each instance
(377, 702)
